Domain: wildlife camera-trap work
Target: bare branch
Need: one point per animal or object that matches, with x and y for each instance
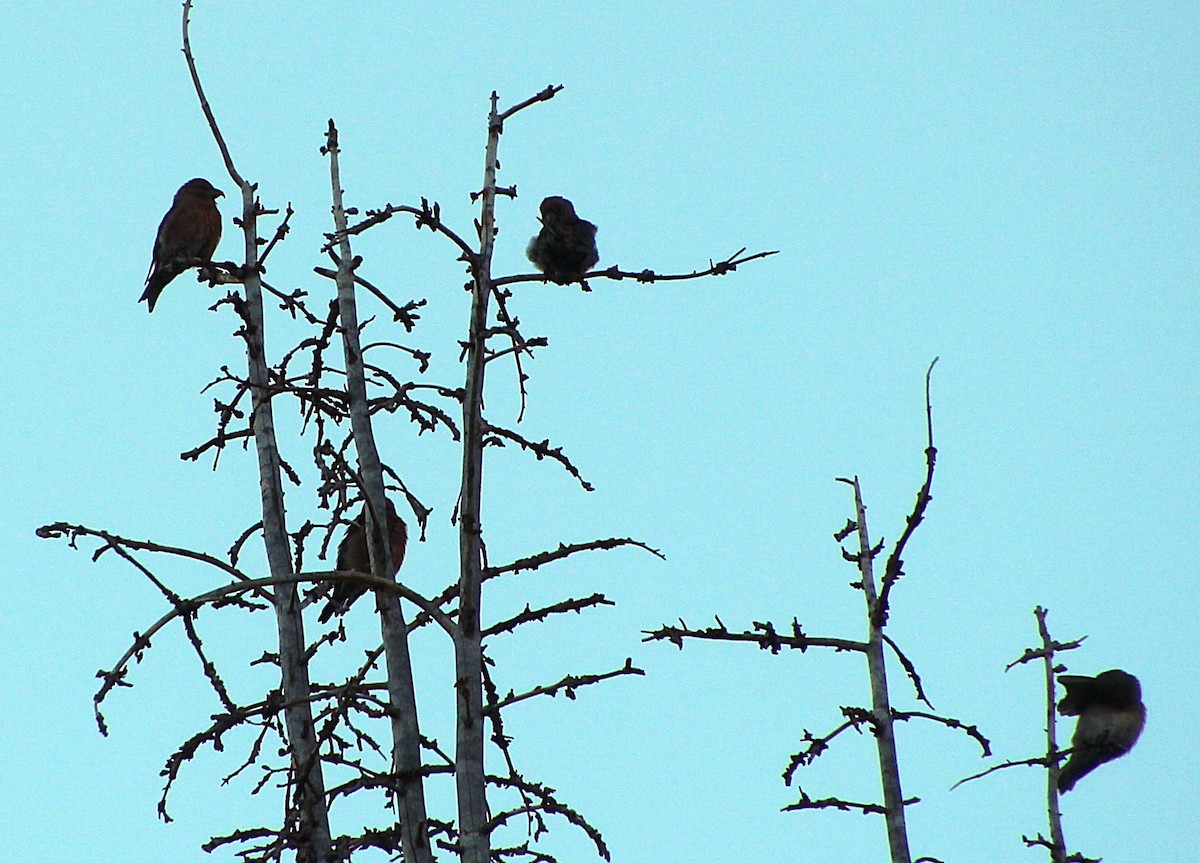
(543, 96)
(950, 722)
(894, 569)
(62, 529)
(204, 106)
(1039, 761)
(563, 550)
(719, 268)
(764, 635)
(1041, 841)
(280, 233)
(806, 802)
(547, 802)
(909, 668)
(541, 450)
(1034, 653)
(530, 615)
(405, 315)
(856, 717)
(567, 685)
(116, 676)
(426, 216)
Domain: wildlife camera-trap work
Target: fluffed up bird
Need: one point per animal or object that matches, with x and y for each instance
(1111, 717)
(565, 247)
(352, 556)
(187, 236)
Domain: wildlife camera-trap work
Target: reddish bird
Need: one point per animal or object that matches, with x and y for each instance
(352, 556)
(187, 236)
(1111, 717)
(565, 248)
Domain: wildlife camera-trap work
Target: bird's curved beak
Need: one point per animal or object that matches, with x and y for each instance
(217, 193)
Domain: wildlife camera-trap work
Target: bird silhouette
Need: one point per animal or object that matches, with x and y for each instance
(352, 556)
(1111, 717)
(187, 236)
(565, 248)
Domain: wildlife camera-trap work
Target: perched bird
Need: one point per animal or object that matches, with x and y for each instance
(565, 247)
(1111, 717)
(187, 236)
(352, 556)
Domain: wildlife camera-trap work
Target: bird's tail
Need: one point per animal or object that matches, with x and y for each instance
(1075, 769)
(154, 289)
(338, 604)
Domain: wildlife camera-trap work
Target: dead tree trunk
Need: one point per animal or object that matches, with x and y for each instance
(881, 708)
(468, 637)
(402, 698)
(313, 840)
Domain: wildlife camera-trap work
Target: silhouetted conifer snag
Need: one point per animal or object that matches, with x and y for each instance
(187, 236)
(1111, 718)
(565, 248)
(880, 717)
(319, 743)
(352, 556)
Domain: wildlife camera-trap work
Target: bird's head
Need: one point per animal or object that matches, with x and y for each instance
(1119, 686)
(557, 209)
(201, 188)
(362, 513)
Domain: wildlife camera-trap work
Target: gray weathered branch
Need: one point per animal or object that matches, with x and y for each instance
(406, 732)
(313, 833)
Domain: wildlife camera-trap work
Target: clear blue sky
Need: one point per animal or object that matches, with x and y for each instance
(1011, 187)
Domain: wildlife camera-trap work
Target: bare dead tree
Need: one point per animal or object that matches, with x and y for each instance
(328, 730)
(881, 717)
(478, 698)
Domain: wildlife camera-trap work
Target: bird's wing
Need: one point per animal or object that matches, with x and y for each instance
(159, 255)
(1080, 693)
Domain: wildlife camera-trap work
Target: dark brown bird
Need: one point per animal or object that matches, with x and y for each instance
(1111, 717)
(352, 556)
(187, 236)
(565, 247)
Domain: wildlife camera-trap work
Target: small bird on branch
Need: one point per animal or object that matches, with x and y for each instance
(187, 236)
(565, 248)
(352, 556)
(1111, 717)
